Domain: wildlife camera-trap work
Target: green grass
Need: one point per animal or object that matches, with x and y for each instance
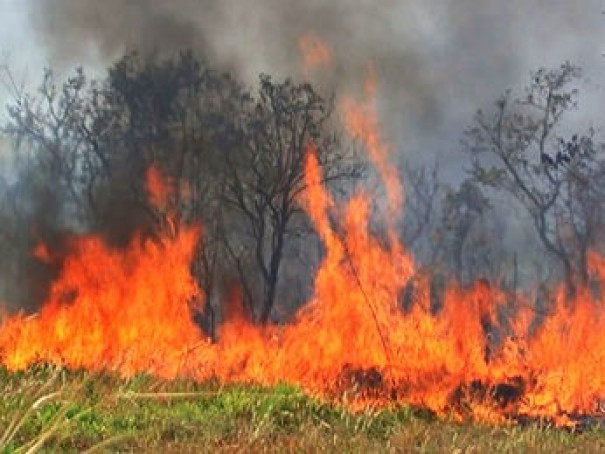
(51, 409)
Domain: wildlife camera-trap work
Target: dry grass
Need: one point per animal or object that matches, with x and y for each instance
(46, 408)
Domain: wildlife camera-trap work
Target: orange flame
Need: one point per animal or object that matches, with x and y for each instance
(375, 326)
(315, 53)
(157, 188)
(42, 253)
(118, 310)
(361, 121)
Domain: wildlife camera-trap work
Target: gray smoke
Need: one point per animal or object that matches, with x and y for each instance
(73, 28)
(437, 61)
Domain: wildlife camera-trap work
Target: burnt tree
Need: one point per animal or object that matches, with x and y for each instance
(265, 172)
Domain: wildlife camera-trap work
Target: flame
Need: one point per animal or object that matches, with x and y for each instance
(125, 310)
(315, 53)
(111, 309)
(42, 253)
(158, 189)
(376, 329)
(361, 121)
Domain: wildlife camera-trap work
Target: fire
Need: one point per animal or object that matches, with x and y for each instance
(157, 187)
(361, 121)
(315, 53)
(376, 328)
(125, 310)
(42, 253)
(109, 309)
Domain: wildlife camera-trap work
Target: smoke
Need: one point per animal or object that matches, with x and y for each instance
(437, 61)
(262, 36)
(73, 28)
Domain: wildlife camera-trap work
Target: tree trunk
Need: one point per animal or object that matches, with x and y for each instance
(271, 282)
(569, 278)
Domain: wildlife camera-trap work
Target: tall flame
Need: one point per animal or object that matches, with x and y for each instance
(361, 121)
(375, 325)
(109, 310)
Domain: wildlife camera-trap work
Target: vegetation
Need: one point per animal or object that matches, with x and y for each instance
(523, 149)
(46, 408)
(233, 159)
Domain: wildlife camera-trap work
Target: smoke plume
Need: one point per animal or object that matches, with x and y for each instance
(437, 61)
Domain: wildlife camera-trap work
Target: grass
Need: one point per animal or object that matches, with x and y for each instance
(49, 409)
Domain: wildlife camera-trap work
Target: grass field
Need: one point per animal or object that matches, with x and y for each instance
(49, 409)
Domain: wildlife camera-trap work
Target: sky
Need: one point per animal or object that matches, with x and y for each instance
(436, 61)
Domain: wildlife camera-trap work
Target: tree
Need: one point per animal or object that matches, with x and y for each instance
(59, 131)
(232, 163)
(465, 237)
(178, 115)
(422, 198)
(521, 149)
(56, 170)
(265, 173)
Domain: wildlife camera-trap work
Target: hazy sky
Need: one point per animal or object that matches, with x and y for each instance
(438, 61)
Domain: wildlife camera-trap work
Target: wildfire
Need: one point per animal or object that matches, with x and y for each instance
(158, 189)
(315, 53)
(361, 121)
(375, 326)
(125, 310)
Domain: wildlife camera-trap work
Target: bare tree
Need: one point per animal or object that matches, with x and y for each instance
(520, 149)
(265, 173)
(60, 133)
(423, 190)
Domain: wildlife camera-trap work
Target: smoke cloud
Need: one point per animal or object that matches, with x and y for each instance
(437, 61)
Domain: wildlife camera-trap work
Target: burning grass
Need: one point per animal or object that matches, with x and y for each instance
(370, 339)
(45, 407)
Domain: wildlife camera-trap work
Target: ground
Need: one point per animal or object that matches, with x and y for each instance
(50, 409)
